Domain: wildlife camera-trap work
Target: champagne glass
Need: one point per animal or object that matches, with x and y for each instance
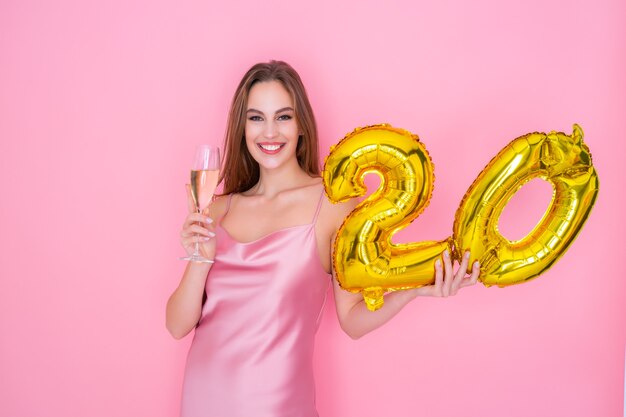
(204, 176)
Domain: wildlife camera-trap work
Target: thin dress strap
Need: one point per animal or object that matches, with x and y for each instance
(319, 206)
(230, 197)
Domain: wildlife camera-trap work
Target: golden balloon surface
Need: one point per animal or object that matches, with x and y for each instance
(562, 160)
(364, 258)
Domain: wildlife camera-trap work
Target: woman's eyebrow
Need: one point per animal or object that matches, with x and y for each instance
(277, 111)
(283, 109)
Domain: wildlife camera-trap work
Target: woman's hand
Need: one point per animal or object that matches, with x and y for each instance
(197, 228)
(357, 321)
(447, 282)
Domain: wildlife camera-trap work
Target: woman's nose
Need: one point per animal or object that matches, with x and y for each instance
(271, 130)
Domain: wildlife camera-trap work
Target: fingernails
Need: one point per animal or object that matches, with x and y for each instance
(446, 253)
(467, 255)
(206, 238)
(438, 263)
(208, 220)
(476, 264)
(211, 234)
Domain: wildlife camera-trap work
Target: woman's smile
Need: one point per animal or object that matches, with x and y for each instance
(270, 148)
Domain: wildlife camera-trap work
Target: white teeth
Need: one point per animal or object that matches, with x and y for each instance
(270, 147)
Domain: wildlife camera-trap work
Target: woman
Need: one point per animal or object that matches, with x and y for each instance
(256, 309)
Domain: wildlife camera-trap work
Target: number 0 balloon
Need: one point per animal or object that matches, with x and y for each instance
(564, 161)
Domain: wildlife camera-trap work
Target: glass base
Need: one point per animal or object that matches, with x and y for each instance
(197, 258)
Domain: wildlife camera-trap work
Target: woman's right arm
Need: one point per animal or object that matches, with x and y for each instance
(185, 304)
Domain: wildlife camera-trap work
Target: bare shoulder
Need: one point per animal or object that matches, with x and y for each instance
(217, 209)
(333, 214)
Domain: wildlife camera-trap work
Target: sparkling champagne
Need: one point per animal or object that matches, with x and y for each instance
(203, 183)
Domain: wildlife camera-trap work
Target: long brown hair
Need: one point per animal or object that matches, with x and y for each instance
(240, 171)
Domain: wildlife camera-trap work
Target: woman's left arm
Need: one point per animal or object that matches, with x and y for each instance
(356, 320)
(354, 317)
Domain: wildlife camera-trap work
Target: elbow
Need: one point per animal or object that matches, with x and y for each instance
(177, 335)
(179, 322)
(353, 333)
(354, 336)
(176, 331)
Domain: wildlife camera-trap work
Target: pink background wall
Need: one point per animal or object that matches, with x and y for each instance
(102, 104)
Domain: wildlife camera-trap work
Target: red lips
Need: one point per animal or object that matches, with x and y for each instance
(270, 148)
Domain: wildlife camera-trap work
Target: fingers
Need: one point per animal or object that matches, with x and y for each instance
(447, 282)
(433, 290)
(191, 204)
(461, 272)
(475, 272)
(459, 277)
(188, 242)
(437, 289)
(473, 279)
(438, 274)
(196, 218)
(448, 275)
(195, 229)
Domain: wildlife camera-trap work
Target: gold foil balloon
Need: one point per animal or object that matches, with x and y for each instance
(562, 160)
(364, 258)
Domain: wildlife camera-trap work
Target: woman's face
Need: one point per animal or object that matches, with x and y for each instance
(271, 126)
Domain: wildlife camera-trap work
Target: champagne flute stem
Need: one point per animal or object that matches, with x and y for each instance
(196, 252)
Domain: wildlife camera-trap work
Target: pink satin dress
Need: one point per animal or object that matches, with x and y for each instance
(252, 351)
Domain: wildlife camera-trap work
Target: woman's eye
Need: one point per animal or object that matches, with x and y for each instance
(255, 118)
(285, 117)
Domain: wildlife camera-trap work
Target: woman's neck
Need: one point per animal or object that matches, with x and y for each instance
(274, 181)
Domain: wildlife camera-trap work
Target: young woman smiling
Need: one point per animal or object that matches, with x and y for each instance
(256, 309)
